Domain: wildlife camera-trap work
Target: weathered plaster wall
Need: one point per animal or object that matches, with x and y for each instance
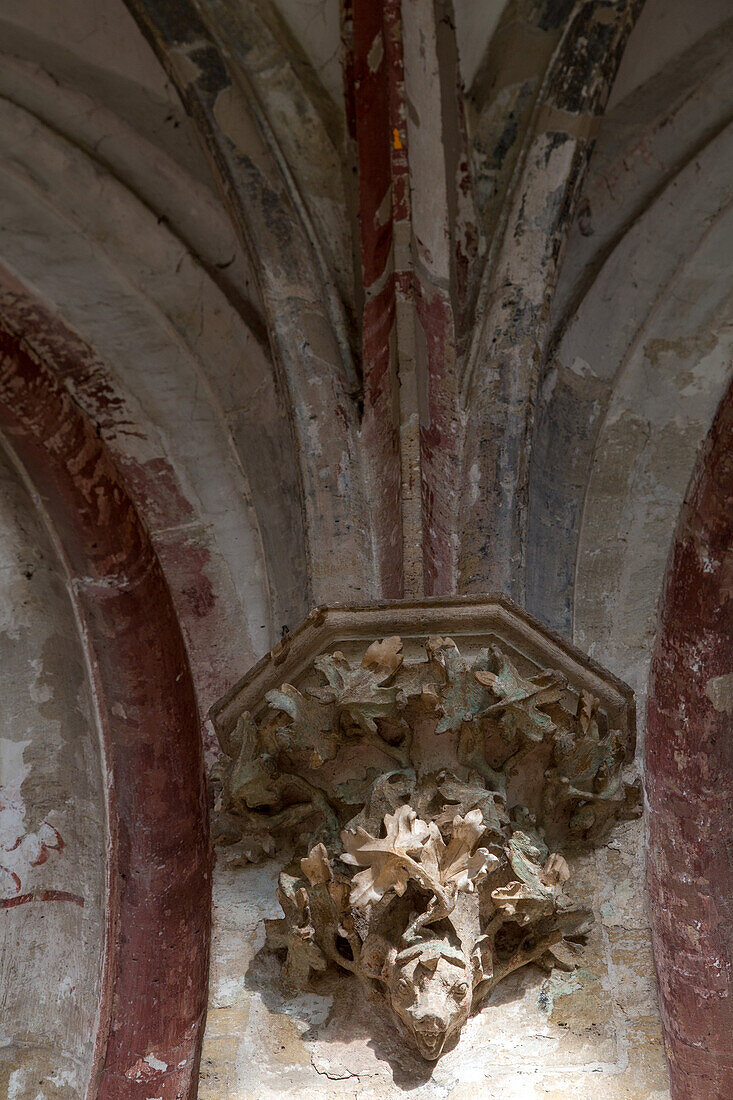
(646, 448)
(641, 357)
(190, 391)
(104, 33)
(476, 22)
(53, 832)
(315, 26)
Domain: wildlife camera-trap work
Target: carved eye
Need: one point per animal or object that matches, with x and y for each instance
(460, 991)
(403, 988)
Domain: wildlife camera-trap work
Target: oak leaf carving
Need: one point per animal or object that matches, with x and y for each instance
(588, 774)
(527, 897)
(251, 781)
(316, 866)
(415, 849)
(456, 865)
(461, 696)
(386, 861)
(519, 697)
(360, 692)
(295, 934)
(310, 725)
(462, 797)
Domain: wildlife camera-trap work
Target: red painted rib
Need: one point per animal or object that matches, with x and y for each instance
(689, 780)
(160, 884)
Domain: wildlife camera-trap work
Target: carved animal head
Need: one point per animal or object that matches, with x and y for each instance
(429, 987)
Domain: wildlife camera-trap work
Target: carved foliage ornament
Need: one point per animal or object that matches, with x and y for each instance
(423, 803)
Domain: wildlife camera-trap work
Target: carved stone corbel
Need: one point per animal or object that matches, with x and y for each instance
(422, 792)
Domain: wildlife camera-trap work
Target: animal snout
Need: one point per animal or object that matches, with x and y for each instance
(430, 1030)
(430, 1023)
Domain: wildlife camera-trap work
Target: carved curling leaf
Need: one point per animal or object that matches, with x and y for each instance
(295, 934)
(588, 774)
(251, 777)
(310, 725)
(241, 849)
(555, 871)
(359, 693)
(415, 849)
(456, 864)
(460, 695)
(387, 861)
(461, 797)
(316, 866)
(384, 657)
(519, 698)
(527, 897)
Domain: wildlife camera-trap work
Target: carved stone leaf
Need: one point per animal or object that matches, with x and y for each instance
(358, 692)
(432, 851)
(355, 792)
(587, 714)
(456, 864)
(588, 775)
(564, 955)
(246, 847)
(303, 953)
(461, 697)
(528, 897)
(585, 759)
(293, 899)
(466, 796)
(295, 934)
(316, 866)
(467, 831)
(310, 728)
(384, 858)
(384, 657)
(519, 698)
(405, 835)
(527, 853)
(556, 870)
(517, 899)
(250, 781)
(385, 873)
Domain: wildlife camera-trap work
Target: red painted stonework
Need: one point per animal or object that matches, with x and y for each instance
(689, 781)
(154, 998)
(373, 78)
(440, 441)
(408, 324)
(177, 531)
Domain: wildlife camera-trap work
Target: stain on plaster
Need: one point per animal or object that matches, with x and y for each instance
(719, 691)
(375, 55)
(557, 986)
(235, 122)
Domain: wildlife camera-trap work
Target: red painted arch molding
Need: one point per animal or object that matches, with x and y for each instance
(159, 898)
(689, 781)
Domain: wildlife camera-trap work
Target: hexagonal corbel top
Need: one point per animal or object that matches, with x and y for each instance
(472, 623)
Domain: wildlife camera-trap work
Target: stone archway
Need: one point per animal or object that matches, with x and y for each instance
(155, 959)
(689, 765)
